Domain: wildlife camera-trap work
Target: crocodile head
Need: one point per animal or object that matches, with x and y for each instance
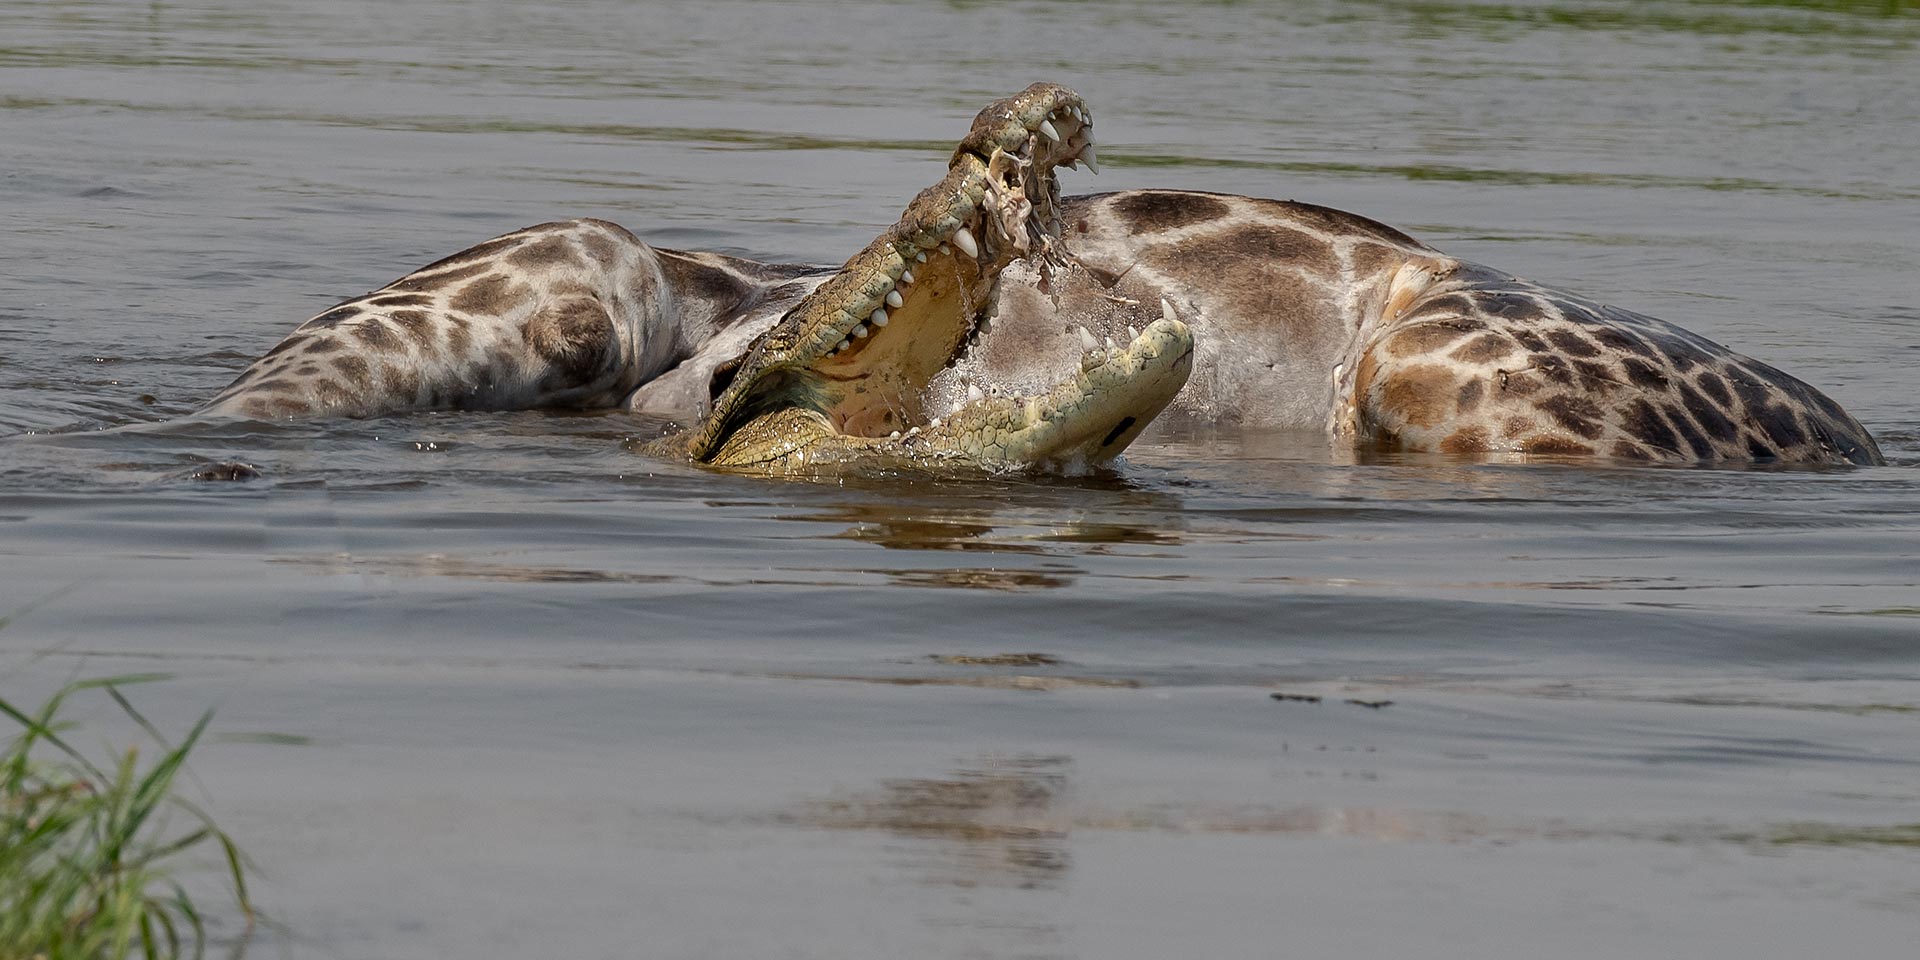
(843, 379)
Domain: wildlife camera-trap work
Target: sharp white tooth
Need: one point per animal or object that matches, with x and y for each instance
(1031, 409)
(894, 435)
(1087, 343)
(860, 331)
(1337, 369)
(1047, 130)
(986, 324)
(1133, 332)
(913, 431)
(946, 251)
(906, 276)
(1079, 114)
(844, 344)
(1087, 157)
(974, 393)
(893, 299)
(964, 240)
(1110, 345)
(920, 256)
(1166, 311)
(879, 318)
(935, 423)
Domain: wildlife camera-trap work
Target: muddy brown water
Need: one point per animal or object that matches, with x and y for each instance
(496, 685)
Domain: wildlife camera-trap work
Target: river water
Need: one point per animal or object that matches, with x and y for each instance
(497, 685)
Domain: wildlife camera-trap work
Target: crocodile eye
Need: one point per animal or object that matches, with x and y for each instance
(722, 378)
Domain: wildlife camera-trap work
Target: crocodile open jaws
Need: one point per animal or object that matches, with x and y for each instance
(843, 380)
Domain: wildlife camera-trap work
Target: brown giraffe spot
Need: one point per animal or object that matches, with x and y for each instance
(332, 318)
(1510, 306)
(417, 324)
(491, 295)
(332, 393)
(374, 332)
(285, 345)
(402, 300)
(1758, 449)
(278, 408)
(1370, 259)
(400, 382)
(1469, 396)
(275, 384)
(476, 252)
(443, 279)
(689, 277)
(602, 250)
(458, 337)
(502, 364)
(307, 370)
(551, 251)
(1690, 432)
(1780, 425)
(1552, 368)
(1572, 343)
(321, 345)
(1643, 374)
(1714, 387)
(1574, 413)
(1595, 377)
(1708, 415)
(1684, 355)
(1622, 341)
(1417, 395)
(1423, 338)
(575, 336)
(1518, 383)
(1466, 440)
(1153, 211)
(1485, 348)
(1628, 450)
(1255, 247)
(1329, 220)
(1529, 340)
(354, 369)
(1554, 446)
(1516, 427)
(1451, 305)
(1641, 420)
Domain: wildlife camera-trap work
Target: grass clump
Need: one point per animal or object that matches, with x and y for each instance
(88, 858)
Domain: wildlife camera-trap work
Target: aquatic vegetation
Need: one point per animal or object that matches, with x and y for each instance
(88, 858)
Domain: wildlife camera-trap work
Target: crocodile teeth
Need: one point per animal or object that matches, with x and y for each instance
(1110, 346)
(1133, 332)
(893, 299)
(844, 344)
(1338, 368)
(860, 330)
(879, 318)
(920, 256)
(985, 326)
(963, 239)
(974, 393)
(906, 276)
(1047, 130)
(1087, 157)
(945, 250)
(894, 435)
(1166, 311)
(1087, 343)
